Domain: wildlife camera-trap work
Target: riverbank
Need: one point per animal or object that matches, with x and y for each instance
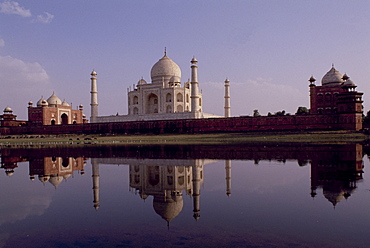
(312, 137)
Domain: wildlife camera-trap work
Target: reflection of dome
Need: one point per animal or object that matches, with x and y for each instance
(54, 100)
(168, 208)
(164, 69)
(44, 179)
(333, 196)
(9, 173)
(332, 77)
(55, 180)
(66, 176)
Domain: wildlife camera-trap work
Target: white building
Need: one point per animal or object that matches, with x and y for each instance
(164, 98)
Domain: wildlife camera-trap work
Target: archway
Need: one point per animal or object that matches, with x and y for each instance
(152, 104)
(64, 118)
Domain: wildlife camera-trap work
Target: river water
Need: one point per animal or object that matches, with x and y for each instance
(185, 196)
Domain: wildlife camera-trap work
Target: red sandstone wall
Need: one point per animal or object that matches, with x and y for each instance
(234, 124)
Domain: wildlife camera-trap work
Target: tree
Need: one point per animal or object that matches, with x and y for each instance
(302, 111)
(256, 113)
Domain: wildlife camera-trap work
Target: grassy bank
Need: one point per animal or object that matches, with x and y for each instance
(314, 137)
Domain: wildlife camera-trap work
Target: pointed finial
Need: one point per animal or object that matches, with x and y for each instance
(165, 51)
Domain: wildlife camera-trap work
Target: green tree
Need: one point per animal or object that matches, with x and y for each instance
(302, 111)
(256, 113)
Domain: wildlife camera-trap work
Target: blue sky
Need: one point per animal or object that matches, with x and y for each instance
(267, 49)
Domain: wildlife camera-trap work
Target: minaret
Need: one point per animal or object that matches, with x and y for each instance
(228, 176)
(196, 169)
(194, 86)
(227, 98)
(95, 176)
(94, 97)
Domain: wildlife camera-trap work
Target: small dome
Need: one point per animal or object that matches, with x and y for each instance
(54, 100)
(64, 103)
(39, 102)
(55, 180)
(332, 77)
(30, 103)
(44, 103)
(175, 79)
(9, 173)
(164, 69)
(312, 80)
(93, 73)
(8, 110)
(349, 82)
(141, 82)
(44, 179)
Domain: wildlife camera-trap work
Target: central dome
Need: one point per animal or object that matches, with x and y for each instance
(332, 77)
(164, 70)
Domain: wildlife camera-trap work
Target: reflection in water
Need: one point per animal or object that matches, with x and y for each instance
(55, 169)
(334, 169)
(168, 175)
(337, 173)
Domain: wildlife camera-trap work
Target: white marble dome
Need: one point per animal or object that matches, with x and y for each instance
(8, 110)
(332, 77)
(64, 103)
(164, 70)
(54, 100)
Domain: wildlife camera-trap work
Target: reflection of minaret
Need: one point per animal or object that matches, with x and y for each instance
(197, 176)
(95, 176)
(228, 176)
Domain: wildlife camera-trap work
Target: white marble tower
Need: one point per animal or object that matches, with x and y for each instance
(194, 86)
(227, 98)
(94, 97)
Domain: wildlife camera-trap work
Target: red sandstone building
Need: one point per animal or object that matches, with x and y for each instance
(54, 112)
(337, 95)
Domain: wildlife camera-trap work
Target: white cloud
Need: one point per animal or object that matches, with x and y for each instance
(45, 18)
(21, 82)
(20, 73)
(2, 43)
(11, 7)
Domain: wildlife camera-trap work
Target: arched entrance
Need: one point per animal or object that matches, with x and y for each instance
(152, 104)
(64, 118)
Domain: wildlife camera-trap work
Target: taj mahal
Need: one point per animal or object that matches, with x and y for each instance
(163, 99)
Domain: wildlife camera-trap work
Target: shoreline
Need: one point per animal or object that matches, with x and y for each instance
(311, 137)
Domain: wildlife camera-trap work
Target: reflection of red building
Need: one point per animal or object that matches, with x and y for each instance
(55, 169)
(54, 112)
(337, 172)
(10, 163)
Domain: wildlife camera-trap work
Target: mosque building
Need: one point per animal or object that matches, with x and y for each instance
(164, 98)
(54, 112)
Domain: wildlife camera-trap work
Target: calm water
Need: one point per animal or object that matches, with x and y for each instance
(169, 196)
